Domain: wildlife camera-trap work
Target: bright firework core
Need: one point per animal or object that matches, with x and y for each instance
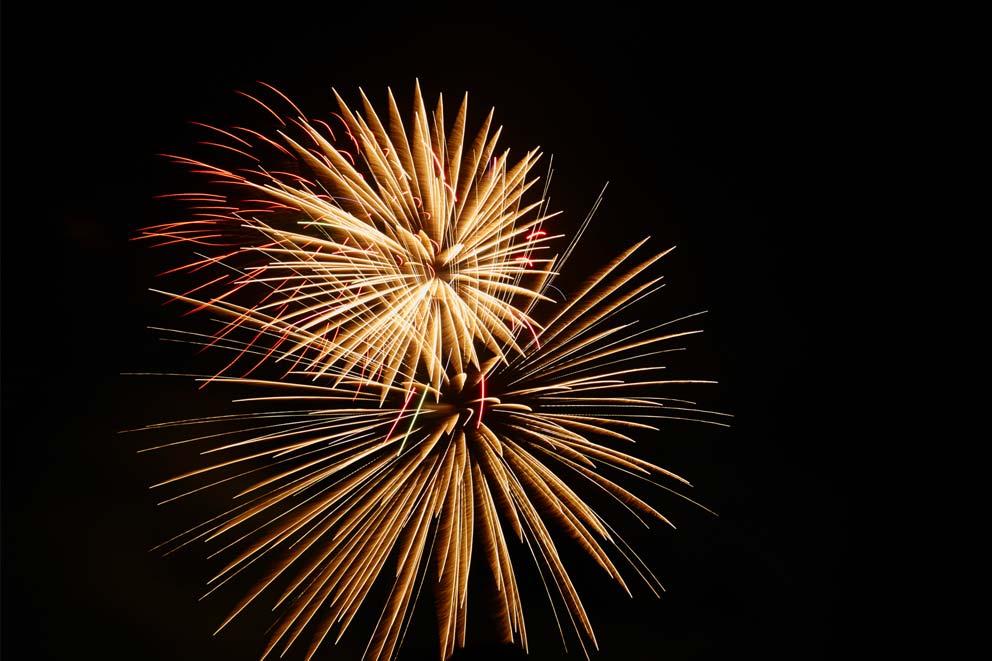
(465, 397)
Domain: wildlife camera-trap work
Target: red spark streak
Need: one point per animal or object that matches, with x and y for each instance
(263, 105)
(397, 420)
(262, 82)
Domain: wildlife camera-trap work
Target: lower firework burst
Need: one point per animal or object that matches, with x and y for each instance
(336, 484)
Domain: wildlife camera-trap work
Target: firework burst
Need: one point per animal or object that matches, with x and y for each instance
(361, 248)
(335, 486)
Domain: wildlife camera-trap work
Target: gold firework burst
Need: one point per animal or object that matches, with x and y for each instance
(336, 485)
(385, 249)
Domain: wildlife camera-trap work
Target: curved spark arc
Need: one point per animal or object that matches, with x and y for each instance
(482, 461)
(401, 247)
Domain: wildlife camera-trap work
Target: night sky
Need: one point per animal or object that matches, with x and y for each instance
(720, 141)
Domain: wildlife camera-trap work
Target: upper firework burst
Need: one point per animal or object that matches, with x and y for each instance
(378, 250)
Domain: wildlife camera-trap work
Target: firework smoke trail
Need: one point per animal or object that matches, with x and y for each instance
(344, 482)
(386, 249)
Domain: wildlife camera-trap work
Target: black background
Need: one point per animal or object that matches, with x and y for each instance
(726, 141)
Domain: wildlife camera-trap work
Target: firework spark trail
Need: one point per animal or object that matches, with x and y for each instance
(340, 496)
(417, 232)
